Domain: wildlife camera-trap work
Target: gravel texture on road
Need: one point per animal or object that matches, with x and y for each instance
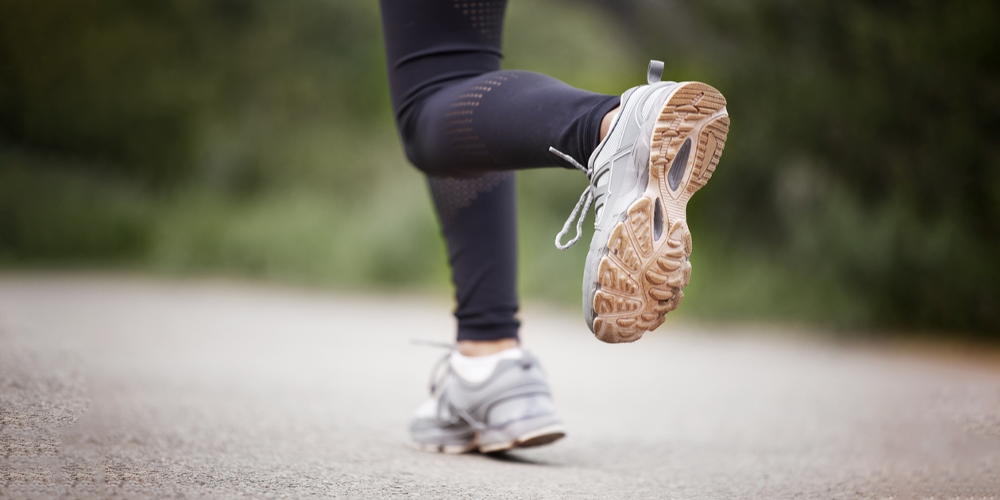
(122, 387)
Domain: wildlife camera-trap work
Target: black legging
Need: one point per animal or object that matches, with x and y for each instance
(465, 123)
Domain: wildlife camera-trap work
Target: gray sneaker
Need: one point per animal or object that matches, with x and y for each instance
(512, 408)
(661, 148)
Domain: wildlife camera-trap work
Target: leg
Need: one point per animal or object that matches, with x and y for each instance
(459, 115)
(479, 221)
(434, 49)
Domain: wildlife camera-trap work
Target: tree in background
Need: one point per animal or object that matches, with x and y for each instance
(864, 145)
(863, 155)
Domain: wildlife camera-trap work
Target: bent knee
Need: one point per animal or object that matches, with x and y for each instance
(431, 155)
(420, 157)
(429, 145)
(414, 144)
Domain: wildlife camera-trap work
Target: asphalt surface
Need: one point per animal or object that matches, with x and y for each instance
(117, 387)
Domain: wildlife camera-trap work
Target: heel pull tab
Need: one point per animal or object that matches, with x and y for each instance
(654, 72)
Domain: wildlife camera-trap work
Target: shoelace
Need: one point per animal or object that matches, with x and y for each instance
(436, 379)
(654, 73)
(586, 199)
(438, 376)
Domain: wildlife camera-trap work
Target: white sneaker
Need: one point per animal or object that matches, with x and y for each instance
(662, 147)
(511, 408)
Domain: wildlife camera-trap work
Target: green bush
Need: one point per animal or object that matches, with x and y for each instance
(860, 186)
(863, 149)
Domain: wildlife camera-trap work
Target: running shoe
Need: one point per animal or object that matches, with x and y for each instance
(512, 408)
(662, 147)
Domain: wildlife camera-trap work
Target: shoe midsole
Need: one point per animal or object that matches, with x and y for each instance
(516, 430)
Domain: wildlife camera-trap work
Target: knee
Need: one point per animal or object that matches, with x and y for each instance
(421, 157)
(414, 147)
(425, 151)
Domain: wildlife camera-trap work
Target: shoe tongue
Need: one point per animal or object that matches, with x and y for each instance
(475, 369)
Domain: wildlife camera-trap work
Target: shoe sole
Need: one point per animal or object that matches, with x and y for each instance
(448, 449)
(531, 439)
(538, 437)
(646, 267)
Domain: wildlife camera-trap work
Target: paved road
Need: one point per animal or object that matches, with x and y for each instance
(131, 388)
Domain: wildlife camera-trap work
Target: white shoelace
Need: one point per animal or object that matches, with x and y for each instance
(654, 73)
(586, 199)
(438, 376)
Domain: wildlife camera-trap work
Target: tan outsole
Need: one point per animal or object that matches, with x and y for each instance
(642, 277)
(539, 437)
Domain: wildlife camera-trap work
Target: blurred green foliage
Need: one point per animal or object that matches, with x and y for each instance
(863, 153)
(860, 187)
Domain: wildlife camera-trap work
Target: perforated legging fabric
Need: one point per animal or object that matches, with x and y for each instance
(466, 124)
(479, 220)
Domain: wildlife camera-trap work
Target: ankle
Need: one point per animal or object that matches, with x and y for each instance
(485, 347)
(606, 122)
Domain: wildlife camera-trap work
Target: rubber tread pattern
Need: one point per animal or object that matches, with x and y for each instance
(642, 279)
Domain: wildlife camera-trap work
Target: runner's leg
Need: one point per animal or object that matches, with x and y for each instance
(459, 115)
